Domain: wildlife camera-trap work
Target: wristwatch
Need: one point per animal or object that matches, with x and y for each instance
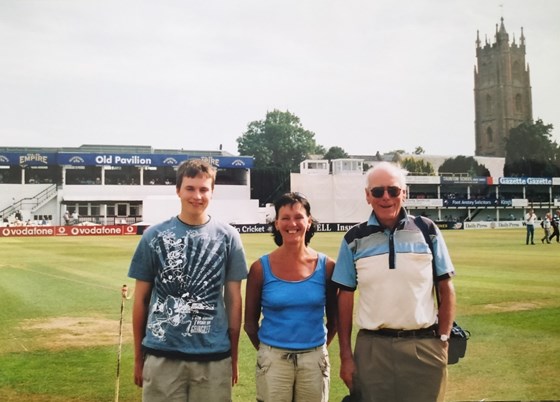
(444, 338)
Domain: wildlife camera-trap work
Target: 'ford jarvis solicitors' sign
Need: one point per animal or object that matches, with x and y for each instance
(525, 181)
(92, 159)
(466, 180)
(477, 203)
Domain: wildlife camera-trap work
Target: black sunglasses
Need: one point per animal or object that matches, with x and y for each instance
(378, 192)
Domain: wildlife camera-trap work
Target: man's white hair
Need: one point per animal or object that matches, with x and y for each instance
(390, 168)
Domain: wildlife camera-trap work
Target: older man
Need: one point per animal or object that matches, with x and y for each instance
(401, 348)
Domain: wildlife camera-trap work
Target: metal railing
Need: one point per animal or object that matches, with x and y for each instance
(30, 203)
(106, 220)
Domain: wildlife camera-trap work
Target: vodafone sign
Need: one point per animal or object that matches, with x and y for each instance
(101, 230)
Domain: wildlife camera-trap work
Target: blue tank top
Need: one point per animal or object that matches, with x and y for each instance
(293, 311)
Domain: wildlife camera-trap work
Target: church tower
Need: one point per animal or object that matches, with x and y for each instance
(502, 91)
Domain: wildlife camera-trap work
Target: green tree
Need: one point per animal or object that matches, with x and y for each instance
(277, 141)
(420, 166)
(531, 152)
(319, 150)
(397, 155)
(464, 164)
(335, 153)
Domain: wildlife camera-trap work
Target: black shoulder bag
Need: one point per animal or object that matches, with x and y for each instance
(459, 336)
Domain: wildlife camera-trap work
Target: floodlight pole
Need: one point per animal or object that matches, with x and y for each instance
(124, 296)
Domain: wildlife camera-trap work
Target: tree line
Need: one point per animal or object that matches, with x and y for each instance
(279, 143)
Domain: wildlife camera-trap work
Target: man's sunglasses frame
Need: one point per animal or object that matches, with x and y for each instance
(378, 192)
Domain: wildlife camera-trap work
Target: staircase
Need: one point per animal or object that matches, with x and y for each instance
(31, 203)
(479, 210)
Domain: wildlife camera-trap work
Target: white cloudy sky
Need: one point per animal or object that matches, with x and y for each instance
(365, 75)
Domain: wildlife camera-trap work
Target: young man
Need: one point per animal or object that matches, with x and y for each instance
(187, 307)
(401, 348)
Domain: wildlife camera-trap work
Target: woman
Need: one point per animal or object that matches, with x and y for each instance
(291, 287)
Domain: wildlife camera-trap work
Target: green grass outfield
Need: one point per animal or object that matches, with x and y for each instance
(60, 307)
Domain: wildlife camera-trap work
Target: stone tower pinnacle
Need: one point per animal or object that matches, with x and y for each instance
(502, 91)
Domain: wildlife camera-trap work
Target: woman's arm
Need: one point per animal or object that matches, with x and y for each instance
(253, 294)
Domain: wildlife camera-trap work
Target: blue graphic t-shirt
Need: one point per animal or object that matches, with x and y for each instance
(188, 266)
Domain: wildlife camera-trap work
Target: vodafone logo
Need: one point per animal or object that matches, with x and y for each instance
(95, 230)
(105, 230)
(27, 231)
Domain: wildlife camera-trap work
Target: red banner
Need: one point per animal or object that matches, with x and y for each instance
(78, 230)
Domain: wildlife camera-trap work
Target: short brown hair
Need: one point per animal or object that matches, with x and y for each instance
(291, 199)
(193, 168)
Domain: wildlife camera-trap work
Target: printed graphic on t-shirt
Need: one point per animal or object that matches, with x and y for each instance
(188, 286)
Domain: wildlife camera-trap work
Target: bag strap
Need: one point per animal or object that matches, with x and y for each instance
(421, 224)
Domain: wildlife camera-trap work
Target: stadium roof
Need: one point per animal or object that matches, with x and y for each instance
(100, 148)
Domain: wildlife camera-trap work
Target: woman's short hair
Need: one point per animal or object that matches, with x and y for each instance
(291, 199)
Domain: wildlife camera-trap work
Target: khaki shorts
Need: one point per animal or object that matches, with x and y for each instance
(399, 369)
(168, 380)
(292, 375)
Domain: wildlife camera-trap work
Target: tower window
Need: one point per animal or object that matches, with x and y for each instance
(516, 71)
(489, 135)
(518, 103)
(489, 106)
